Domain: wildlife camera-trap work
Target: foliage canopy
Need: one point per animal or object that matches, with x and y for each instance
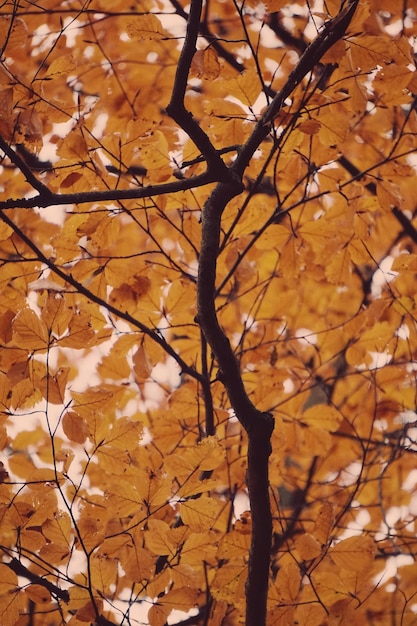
(208, 254)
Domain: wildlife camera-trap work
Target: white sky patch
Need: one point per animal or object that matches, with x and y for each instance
(378, 360)
(288, 385)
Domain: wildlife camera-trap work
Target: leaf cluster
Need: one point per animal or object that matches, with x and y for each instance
(124, 445)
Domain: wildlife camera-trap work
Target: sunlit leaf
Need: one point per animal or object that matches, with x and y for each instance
(29, 331)
(200, 514)
(38, 594)
(323, 416)
(145, 27)
(142, 365)
(205, 64)
(75, 427)
(354, 554)
(288, 581)
(207, 455)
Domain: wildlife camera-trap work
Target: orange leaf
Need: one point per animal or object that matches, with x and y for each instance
(288, 581)
(38, 594)
(29, 331)
(75, 427)
(142, 366)
(353, 554)
(205, 64)
(308, 547)
(145, 27)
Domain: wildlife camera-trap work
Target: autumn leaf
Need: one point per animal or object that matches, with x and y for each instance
(205, 64)
(142, 365)
(145, 27)
(288, 582)
(38, 594)
(322, 416)
(354, 553)
(29, 331)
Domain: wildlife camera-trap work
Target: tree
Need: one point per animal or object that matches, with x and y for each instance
(207, 324)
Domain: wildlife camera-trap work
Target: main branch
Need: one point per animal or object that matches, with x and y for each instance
(258, 425)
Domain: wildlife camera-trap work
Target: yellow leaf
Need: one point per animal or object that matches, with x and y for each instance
(29, 331)
(205, 64)
(329, 586)
(74, 148)
(38, 594)
(75, 427)
(199, 547)
(5, 392)
(199, 514)
(234, 545)
(142, 366)
(11, 605)
(21, 465)
(245, 87)
(354, 554)
(80, 333)
(137, 562)
(145, 27)
(52, 387)
(309, 614)
(181, 599)
(58, 529)
(5, 230)
(324, 523)
(62, 65)
(405, 262)
(323, 416)
(159, 538)
(154, 151)
(229, 583)
(114, 366)
(103, 572)
(124, 434)
(13, 34)
(288, 581)
(24, 394)
(308, 547)
(55, 313)
(206, 455)
(309, 127)
(8, 580)
(157, 615)
(334, 121)
(93, 401)
(88, 612)
(339, 268)
(389, 195)
(193, 485)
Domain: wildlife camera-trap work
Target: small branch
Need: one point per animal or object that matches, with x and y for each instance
(47, 199)
(20, 570)
(402, 219)
(79, 288)
(333, 30)
(187, 54)
(24, 168)
(176, 107)
(211, 38)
